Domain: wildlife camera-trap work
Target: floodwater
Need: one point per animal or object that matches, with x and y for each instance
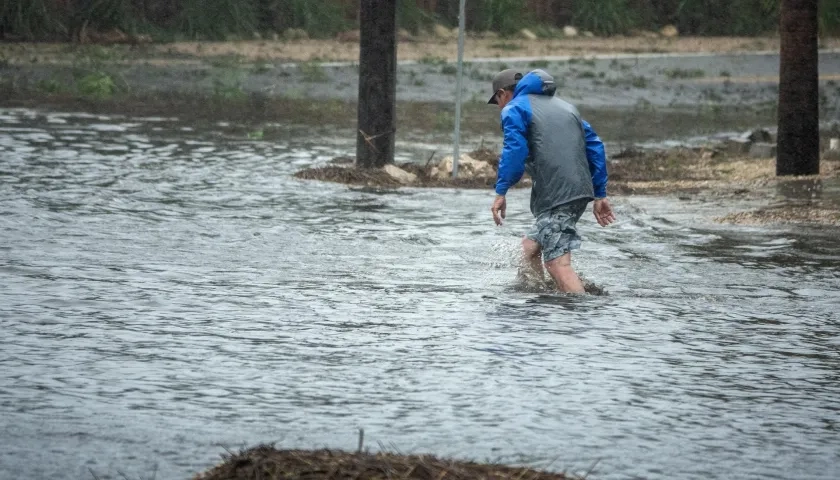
(168, 291)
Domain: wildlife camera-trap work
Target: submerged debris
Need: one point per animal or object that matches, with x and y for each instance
(478, 172)
(267, 462)
(785, 214)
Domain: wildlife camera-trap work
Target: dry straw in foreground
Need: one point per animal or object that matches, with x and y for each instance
(264, 462)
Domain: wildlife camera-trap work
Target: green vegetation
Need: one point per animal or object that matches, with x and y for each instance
(449, 69)
(431, 60)
(506, 46)
(627, 82)
(228, 86)
(313, 72)
(676, 73)
(712, 95)
(242, 19)
(606, 17)
(639, 82)
(51, 86)
(97, 84)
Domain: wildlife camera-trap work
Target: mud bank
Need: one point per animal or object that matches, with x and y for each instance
(689, 174)
(265, 461)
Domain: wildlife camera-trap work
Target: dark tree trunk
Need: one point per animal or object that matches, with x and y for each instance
(799, 104)
(377, 83)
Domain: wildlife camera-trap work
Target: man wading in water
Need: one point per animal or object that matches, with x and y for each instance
(566, 161)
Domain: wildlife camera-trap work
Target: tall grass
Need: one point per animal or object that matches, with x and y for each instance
(216, 19)
(727, 17)
(830, 17)
(605, 17)
(103, 15)
(31, 20)
(503, 16)
(220, 19)
(320, 18)
(413, 18)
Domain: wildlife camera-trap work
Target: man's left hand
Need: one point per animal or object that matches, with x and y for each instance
(603, 212)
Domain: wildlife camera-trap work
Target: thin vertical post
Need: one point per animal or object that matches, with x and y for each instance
(461, 22)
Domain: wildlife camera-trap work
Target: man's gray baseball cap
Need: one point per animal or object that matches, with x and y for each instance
(504, 79)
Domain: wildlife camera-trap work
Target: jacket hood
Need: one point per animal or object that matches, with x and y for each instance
(536, 82)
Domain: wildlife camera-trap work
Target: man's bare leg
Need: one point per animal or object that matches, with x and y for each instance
(564, 276)
(531, 267)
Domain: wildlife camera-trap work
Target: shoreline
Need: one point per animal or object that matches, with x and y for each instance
(645, 97)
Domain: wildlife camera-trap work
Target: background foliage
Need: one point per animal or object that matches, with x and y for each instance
(229, 19)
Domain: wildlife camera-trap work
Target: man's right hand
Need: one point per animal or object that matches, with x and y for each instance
(603, 212)
(498, 209)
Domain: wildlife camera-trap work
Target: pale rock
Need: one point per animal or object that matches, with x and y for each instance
(527, 34)
(570, 31)
(588, 34)
(669, 31)
(468, 167)
(400, 175)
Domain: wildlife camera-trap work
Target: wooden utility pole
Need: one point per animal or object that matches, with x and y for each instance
(799, 104)
(377, 83)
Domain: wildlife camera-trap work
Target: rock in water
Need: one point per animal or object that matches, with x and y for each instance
(400, 175)
(468, 168)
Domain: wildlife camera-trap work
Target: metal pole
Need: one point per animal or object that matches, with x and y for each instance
(455, 157)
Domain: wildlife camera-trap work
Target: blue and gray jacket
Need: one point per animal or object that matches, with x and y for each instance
(546, 137)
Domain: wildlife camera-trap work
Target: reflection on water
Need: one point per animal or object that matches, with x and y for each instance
(165, 291)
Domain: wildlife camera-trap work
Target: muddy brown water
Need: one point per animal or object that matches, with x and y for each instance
(167, 290)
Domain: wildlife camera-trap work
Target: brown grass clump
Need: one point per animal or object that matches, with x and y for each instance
(265, 462)
(349, 176)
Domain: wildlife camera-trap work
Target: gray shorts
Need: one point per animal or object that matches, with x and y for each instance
(555, 230)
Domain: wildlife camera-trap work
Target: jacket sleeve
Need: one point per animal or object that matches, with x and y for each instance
(596, 155)
(515, 121)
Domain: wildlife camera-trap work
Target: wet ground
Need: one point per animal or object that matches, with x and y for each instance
(168, 289)
(590, 80)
